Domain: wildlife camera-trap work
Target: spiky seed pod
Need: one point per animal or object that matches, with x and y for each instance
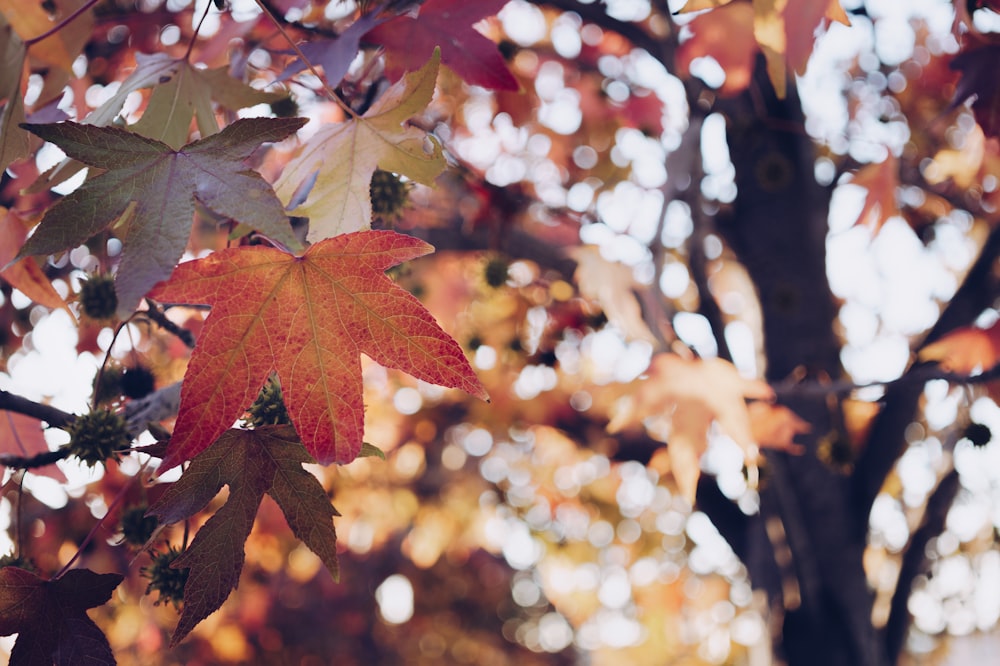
(136, 526)
(98, 299)
(269, 407)
(166, 581)
(138, 382)
(108, 384)
(495, 272)
(389, 196)
(285, 108)
(978, 434)
(835, 450)
(98, 435)
(11, 560)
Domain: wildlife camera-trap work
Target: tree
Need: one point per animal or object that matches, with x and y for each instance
(631, 210)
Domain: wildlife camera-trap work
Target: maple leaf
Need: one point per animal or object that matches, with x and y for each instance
(251, 462)
(725, 34)
(786, 32)
(24, 274)
(154, 188)
(50, 619)
(965, 350)
(447, 24)
(334, 55)
(978, 69)
(342, 158)
(611, 284)
(13, 139)
(308, 318)
(677, 402)
(188, 95)
(29, 20)
(880, 180)
(181, 92)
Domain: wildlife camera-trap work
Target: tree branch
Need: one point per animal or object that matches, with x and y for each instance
(54, 416)
(915, 561)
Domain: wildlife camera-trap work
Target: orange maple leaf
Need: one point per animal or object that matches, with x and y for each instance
(965, 350)
(307, 318)
(881, 180)
(677, 403)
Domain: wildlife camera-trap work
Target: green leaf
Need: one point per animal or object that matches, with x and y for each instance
(342, 158)
(188, 95)
(13, 139)
(181, 92)
(252, 463)
(371, 451)
(161, 185)
(50, 618)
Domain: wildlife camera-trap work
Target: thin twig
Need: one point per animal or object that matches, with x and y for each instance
(31, 462)
(158, 316)
(308, 63)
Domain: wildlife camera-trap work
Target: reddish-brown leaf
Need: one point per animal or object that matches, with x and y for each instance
(50, 617)
(251, 462)
(409, 42)
(881, 180)
(22, 435)
(24, 274)
(725, 34)
(308, 318)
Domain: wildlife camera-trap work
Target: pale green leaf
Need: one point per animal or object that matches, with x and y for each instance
(344, 156)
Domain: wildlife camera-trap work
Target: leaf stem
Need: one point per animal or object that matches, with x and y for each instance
(312, 68)
(93, 531)
(197, 29)
(61, 24)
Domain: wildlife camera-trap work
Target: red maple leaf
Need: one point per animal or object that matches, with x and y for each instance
(409, 42)
(307, 318)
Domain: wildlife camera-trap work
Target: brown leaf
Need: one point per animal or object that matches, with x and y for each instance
(678, 401)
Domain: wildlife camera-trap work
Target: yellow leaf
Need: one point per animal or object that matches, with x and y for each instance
(961, 166)
(342, 158)
(29, 21)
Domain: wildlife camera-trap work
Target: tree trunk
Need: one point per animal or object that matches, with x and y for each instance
(807, 543)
